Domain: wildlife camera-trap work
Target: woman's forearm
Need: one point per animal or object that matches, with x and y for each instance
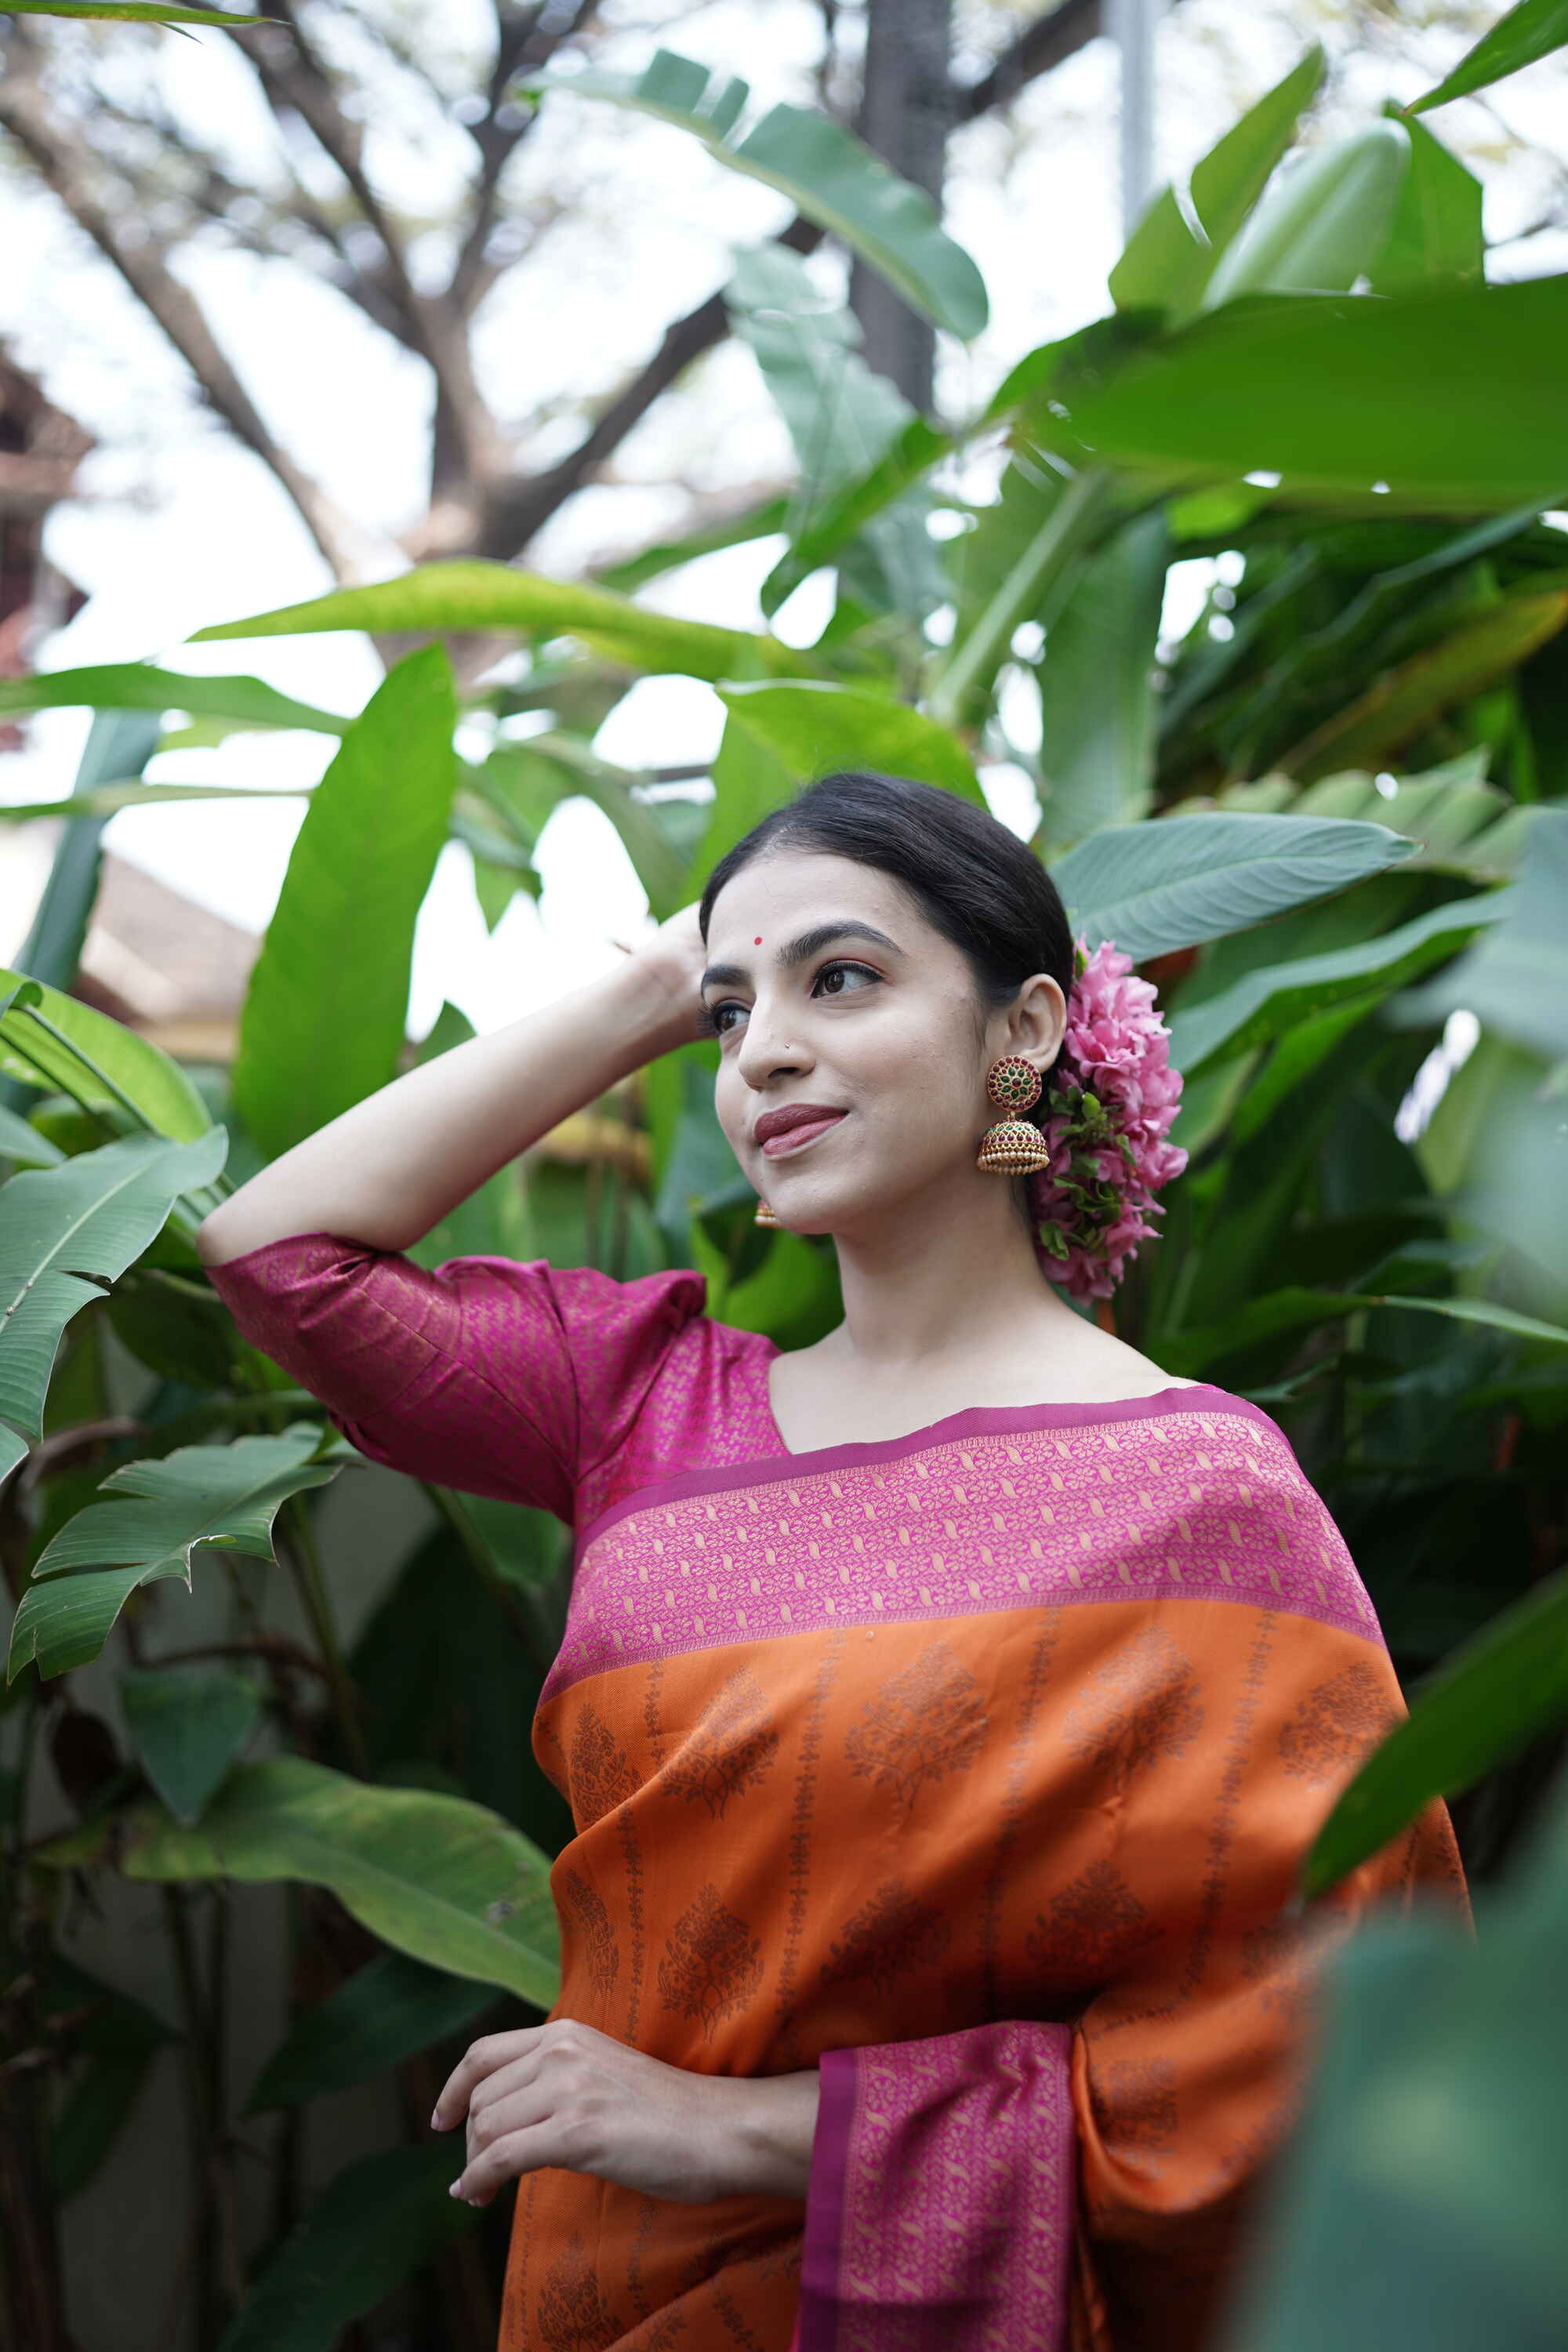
(387, 1170)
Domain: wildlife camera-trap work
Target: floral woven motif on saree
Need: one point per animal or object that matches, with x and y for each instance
(974, 1767)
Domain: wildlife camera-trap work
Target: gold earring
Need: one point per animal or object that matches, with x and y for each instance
(1013, 1146)
(764, 1216)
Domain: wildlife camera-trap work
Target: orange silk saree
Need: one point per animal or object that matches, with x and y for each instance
(974, 1767)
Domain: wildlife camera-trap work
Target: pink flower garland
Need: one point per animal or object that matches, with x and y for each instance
(1106, 1122)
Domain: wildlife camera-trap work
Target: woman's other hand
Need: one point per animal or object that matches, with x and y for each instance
(564, 2094)
(673, 958)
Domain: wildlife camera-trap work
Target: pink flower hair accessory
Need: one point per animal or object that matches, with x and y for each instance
(1106, 1117)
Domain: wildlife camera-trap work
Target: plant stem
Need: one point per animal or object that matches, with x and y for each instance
(306, 1559)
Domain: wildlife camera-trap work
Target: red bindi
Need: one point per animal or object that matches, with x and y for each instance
(757, 943)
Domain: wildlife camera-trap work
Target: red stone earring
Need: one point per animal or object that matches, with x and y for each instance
(1013, 1146)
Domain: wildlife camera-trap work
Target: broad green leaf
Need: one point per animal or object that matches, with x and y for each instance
(828, 175)
(857, 506)
(1408, 696)
(107, 800)
(1323, 222)
(1165, 263)
(384, 2218)
(188, 1724)
(842, 419)
(1031, 588)
(628, 576)
(388, 2010)
(1486, 1702)
(444, 1880)
(1528, 33)
(1098, 719)
(1516, 979)
(1436, 235)
(135, 12)
(1266, 1003)
(464, 595)
(1296, 1308)
(66, 1233)
(328, 1003)
(110, 2041)
(119, 744)
(138, 685)
(561, 764)
(749, 780)
(1334, 392)
(813, 729)
(94, 1059)
(224, 1495)
(1175, 881)
(21, 1142)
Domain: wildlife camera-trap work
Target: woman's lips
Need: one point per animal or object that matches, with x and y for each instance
(795, 1139)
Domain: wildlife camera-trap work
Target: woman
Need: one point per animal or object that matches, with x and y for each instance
(945, 1707)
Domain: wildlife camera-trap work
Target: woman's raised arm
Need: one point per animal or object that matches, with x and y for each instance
(387, 1170)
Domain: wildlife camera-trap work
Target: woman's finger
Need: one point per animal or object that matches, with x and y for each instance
(480, 2059)
(529, 2143)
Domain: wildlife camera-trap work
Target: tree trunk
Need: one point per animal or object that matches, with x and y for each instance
(906, 112)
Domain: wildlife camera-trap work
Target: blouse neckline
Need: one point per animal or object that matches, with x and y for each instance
(991, 1420)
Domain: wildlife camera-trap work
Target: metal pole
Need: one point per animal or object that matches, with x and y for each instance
(1130, 24)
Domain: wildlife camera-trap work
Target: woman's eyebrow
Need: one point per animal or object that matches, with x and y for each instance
(798, 951)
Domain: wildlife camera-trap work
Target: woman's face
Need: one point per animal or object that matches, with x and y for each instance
(829, 986)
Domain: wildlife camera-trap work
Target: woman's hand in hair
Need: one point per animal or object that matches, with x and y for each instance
(673, 957)
(564, 2094)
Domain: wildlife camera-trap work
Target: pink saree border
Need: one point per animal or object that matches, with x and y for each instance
(939, 2210)
(1134, 1503)
(974, 1421)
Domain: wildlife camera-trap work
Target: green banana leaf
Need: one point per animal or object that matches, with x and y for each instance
(66, 1233)
(1098, 711)
(828, 176)
(1174, 881)
(1266, 1003)
(1165, 265)
(139, 685)
(1516, 979)
(224, 1495)
(188, 1724)
(107, 800)
(1420, 2199)
(327, 1008)
(135, 12)
(21, 1142)
(108, 2042)
(119, 744)
(1334, 393)
(383, 2217)
(1436, 235)
(1482, 1707)
(1324, 221)
(444, 1880)
(465, 595)
(96, 1060)
(388, 2010)
(1296, 1308)
(1042, 533)
(811, 730)
(1528, 33)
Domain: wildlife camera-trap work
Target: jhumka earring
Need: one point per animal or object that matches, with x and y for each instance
(765, 1216)
(1013, 1146)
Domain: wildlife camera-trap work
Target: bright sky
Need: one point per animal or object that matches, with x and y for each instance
(177, 527)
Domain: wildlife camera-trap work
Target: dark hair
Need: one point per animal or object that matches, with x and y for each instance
(973, 879)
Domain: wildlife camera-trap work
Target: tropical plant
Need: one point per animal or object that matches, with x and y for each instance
(1328, 819)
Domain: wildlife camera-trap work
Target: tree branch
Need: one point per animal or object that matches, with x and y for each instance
(25, 112)
(1043, 43)
(295, 77)
(526, 39)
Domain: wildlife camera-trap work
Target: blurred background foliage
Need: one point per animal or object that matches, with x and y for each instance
(1331, 825)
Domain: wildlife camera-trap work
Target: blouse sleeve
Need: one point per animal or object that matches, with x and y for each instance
(498, 1376)
(1088, 2183)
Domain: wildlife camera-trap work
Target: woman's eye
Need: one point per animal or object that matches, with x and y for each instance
(715, 1024)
